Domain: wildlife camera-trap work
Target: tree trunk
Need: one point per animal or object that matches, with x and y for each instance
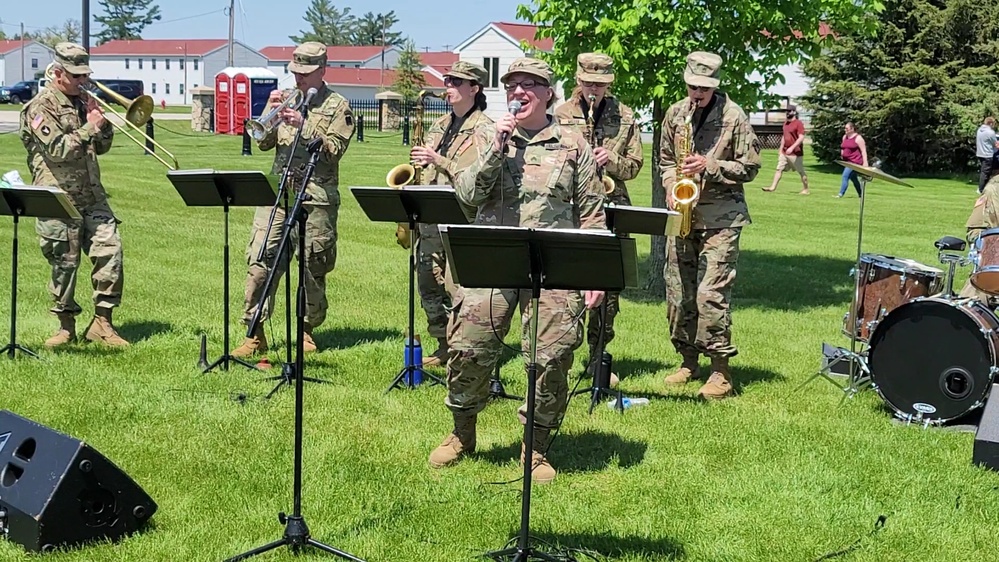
(655, 284)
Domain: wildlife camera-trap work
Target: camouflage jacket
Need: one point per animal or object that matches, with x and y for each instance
(459, 155)
(548, 181)
(733, 158)
(617, 131)
(63, 148)
(330, 119)
(985, 214)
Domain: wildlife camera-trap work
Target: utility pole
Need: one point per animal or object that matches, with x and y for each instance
(23, 45)
(447, 46)
(232, 23)
(85, 26)
(381, 77)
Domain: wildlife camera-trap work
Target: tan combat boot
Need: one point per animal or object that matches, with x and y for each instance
(439, 357)
(689, 370)
(457, 444)
(719, 384)
(102, 330)
(308, 344)
(66, 332)
(252, 345)
(542, 471)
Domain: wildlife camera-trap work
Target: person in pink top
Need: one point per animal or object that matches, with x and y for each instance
(852, 149)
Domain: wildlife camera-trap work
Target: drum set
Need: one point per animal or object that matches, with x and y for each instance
(931, 355)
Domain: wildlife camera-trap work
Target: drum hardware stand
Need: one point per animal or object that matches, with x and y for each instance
(952, 260)
(296, 532)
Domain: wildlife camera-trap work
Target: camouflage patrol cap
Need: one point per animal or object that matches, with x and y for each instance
(468, 71)
(74, 58)
(703, 69)
(595, 67)
(308, 57)
(527, 65)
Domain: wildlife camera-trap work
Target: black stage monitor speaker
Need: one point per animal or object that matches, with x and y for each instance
(986, 451)
(56, 491)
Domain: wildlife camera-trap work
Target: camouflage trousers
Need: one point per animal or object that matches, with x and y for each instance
(479, 322)
(700, 273)
(96, 235)
(620, 197)
(320, 259)
(431, 263)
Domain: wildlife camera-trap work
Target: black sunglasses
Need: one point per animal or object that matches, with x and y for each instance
(698, 88)
(453, 81)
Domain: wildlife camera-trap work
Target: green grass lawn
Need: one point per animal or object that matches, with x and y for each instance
(186, 109)
(776, 474)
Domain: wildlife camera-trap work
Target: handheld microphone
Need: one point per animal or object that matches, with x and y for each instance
(513, 108)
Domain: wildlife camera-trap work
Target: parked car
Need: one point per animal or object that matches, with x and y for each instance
(130, 89)
(20, 92)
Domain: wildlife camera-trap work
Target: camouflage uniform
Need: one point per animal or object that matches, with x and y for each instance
(984, 216)
(701, 268)
(330, 118)
(616, 130)
(62, 152)
(458, 155)
(546, 181)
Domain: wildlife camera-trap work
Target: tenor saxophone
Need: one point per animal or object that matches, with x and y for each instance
(410, 173)
(684, 191)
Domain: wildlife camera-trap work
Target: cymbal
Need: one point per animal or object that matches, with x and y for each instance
(873, 173)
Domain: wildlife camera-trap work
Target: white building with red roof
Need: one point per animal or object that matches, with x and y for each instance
(494, 47)
(169, 68)
(22, 60)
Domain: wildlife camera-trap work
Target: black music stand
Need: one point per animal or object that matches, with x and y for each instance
(218, 188)
(498, 257)
(413, 204)
(621, 220)
(29, 201)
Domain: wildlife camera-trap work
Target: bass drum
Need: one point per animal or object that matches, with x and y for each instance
(933, 359)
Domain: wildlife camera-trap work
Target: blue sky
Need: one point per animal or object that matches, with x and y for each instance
(437, 25)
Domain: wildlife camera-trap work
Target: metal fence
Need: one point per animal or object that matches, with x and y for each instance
(374, 111)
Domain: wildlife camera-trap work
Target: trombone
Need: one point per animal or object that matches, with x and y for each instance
(137, 114)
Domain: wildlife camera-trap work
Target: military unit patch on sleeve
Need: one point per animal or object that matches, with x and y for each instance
(980, 201)
(36, 121)
(45, 130)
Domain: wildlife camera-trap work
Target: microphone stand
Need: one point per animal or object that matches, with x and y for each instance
(296, 532)
(286, 376)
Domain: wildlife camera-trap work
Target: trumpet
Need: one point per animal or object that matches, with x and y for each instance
(685, 191)
(138, 112)
(605, 181)
(262, 125)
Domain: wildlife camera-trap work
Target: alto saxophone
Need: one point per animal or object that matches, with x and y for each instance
(591, 126)
(685, 191)
(410, 173)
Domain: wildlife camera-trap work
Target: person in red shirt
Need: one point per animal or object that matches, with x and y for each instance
(791, 153)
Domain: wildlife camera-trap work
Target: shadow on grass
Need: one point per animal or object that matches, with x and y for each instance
(601, 545)
(589, 451)
(138, 331)
(346, 337)
(788, 282)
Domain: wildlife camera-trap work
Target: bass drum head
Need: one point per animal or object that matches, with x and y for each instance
(930, 361)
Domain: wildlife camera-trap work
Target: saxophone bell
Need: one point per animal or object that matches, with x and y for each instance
(685, 191)
(410, 173)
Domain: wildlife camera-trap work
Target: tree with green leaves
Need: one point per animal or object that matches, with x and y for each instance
(376, 29)
(650, 39)
(125, 19)
(55, 34)
(329, 25)
(408, 73)
(917, 91)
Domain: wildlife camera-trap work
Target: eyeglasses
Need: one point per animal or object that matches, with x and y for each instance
(593, 84)
(698, 88)
(76, 76)
(453, 81)
(526, 85)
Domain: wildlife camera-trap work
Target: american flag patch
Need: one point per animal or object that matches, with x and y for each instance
(36, 121)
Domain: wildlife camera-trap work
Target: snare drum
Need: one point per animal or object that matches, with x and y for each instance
(934, 359)
(985, 257)
(886, 283)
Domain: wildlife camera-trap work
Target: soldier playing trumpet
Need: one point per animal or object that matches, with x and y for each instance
(613, 133)
(328, 117)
